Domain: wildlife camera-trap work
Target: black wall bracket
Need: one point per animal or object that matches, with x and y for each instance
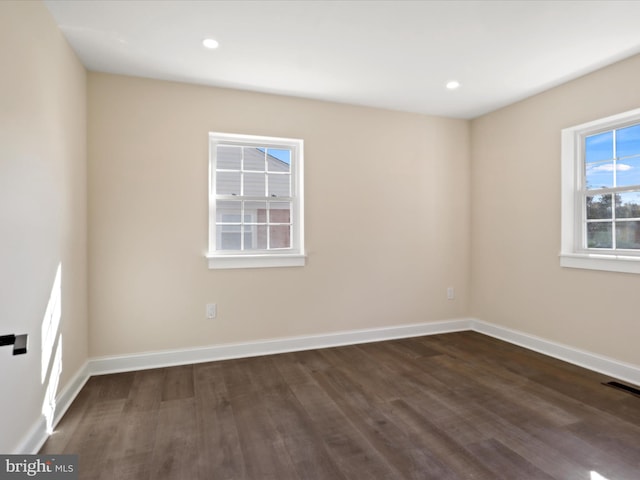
(19, 343)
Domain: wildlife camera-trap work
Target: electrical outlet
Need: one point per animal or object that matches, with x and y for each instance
(212, 310)
(450, 293)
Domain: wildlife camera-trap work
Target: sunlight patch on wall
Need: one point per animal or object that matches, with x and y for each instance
(51, 323)
(49, 404)
(51, 366)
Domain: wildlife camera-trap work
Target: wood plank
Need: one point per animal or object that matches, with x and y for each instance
(73, 418)
(301, 438)
(93, 440)
(349, 449)
(444, 407)
(175, 451)
(220, 453)
(453, 459)
(178, 383)
(135, 438)
(404, 458)
(503, 461)
(262, 446)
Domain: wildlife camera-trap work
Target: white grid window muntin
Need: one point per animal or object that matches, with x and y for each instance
(255, 201)
(601, 195)
(259, 225)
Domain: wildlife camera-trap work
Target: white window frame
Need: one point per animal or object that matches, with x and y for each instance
(286, 257)
(573, 250)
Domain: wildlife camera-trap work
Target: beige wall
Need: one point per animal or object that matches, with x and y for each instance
(384, 260)
(42, 209)
(515, 192)
(431, 203)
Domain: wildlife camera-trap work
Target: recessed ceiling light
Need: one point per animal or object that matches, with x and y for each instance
(210, 43)
(453, 84)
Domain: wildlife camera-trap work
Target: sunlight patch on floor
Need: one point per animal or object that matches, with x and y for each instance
(597, 476)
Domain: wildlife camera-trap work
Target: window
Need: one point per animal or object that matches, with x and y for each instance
(255, 201)
(601, 194)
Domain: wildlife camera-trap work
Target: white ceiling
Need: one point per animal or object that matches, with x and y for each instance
(389, 54)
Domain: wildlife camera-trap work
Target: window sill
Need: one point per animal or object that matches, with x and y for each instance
(255, 261)
(594, 261)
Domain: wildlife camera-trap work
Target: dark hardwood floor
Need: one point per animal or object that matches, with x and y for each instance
(453, 406)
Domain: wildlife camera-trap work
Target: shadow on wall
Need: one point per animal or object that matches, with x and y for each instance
(52, 339)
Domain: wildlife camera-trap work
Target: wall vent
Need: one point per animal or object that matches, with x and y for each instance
(622, 386)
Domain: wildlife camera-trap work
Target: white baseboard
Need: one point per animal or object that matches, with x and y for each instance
(591, 361)
(124, 363)
(33, 439)
(36, 437)
(32, 442)
(168, 358)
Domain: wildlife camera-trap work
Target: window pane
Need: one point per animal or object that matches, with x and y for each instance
(628, 235)
(228, 183)
(628, 172)
(259, 233)
(599, 147)
(255, 212)
(280, 212)
(280, 236)
(599, 175)
(599, 235)
(628, 141)
(628, 205)
(278, 160)
(229, 241)
(228, 211)
(254, 158)
(254, 184)
(228, 157)
(279, 185)
(599, 207)
(230, 237)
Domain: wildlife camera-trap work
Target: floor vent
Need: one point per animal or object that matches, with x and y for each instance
(626, 388)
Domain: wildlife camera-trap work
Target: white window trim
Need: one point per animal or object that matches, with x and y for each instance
(572, 253)
(291, 257)
(255, 261)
